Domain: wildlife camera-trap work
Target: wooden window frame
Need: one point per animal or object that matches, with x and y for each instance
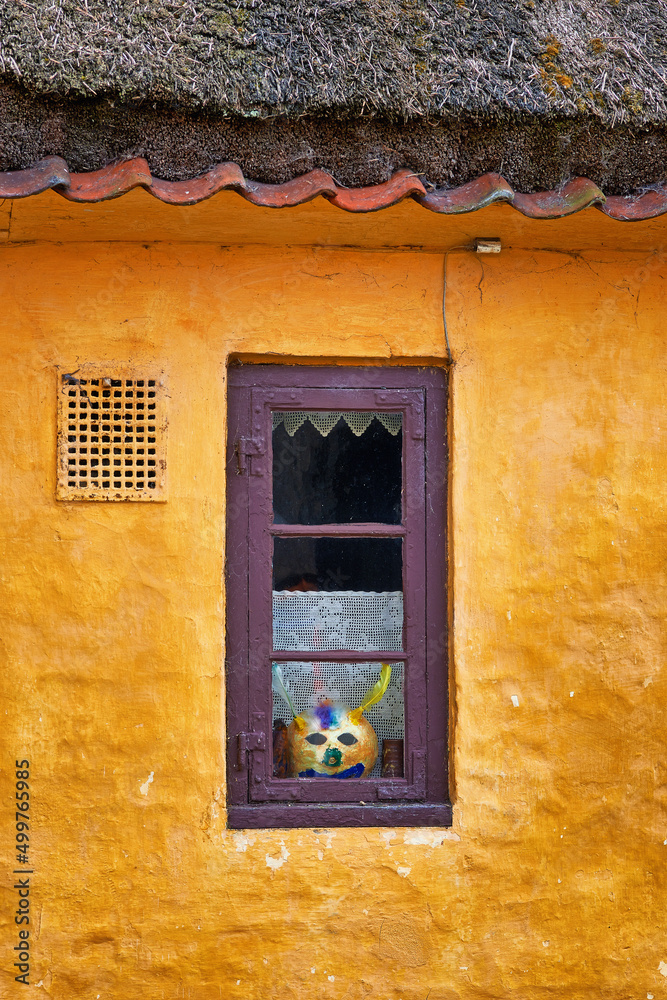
(255, 798)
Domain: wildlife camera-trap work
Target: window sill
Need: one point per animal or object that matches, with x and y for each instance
(290, 816)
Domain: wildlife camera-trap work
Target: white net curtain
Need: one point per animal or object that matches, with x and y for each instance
(341, 619)
(324, 421)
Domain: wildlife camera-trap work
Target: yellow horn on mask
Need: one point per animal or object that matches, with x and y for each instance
(374, 695)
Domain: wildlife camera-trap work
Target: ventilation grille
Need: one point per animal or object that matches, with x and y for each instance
(111, 437)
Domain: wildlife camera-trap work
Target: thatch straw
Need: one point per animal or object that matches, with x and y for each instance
(407, 59)
(544, 80)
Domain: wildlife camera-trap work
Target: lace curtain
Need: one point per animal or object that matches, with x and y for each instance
(325, 420)
(337, 620)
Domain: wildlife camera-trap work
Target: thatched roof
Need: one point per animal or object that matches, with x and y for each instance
(537, 90)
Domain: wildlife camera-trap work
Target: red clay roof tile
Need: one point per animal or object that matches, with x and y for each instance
(119, 178)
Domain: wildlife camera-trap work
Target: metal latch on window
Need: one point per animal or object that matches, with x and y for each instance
(247, 742)
(245, 448)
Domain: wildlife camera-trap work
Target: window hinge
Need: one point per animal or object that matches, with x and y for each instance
(247, 742)
(244, 448)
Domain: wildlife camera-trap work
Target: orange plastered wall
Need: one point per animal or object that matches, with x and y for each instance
(551, 882)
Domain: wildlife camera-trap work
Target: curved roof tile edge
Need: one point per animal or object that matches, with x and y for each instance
(119, 178)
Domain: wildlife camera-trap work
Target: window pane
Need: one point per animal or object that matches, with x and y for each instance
(335, 564)
(332, 743)
(334, 467)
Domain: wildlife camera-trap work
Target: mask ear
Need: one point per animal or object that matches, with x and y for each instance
(281, 688)
(374, 695)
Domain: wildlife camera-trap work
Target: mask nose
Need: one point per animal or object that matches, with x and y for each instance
(332, 757)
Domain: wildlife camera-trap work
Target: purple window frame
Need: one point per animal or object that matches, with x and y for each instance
(255, 798)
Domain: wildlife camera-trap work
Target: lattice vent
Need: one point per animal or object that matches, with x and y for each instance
(111, 436)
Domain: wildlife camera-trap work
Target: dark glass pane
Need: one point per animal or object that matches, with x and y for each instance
(337, 564)
(331, 468)
(331, 743)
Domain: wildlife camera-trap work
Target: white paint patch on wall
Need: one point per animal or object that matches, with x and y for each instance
(242, 841)
(149, 780)
(429, 838)
(515, 700)
(403, 872)
(662, 968)
(275, 863)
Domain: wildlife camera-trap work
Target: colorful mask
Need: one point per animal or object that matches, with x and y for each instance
(332, 740)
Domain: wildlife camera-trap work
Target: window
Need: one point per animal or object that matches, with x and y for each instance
(336, 597)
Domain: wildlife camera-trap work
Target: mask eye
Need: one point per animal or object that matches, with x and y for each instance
(317, 739)
(348, 739)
